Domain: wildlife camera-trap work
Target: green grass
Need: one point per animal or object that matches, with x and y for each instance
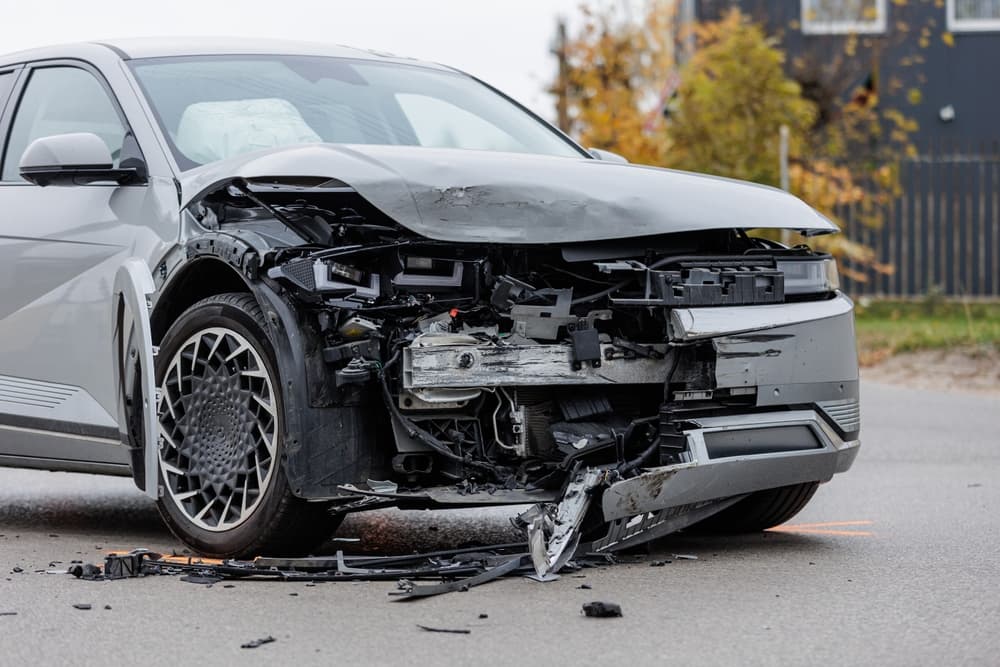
(886, 328)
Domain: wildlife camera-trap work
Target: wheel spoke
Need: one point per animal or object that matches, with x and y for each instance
(204, 510)
(172, 469)
(241, 348)
(266, 405)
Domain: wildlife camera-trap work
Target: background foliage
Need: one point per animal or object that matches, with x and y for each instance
(631, 84)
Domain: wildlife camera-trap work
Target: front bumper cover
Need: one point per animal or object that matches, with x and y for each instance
(665, 499)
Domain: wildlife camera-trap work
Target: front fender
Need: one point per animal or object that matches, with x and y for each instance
(134, 368)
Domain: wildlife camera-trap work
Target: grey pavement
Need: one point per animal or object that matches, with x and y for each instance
(893, 563)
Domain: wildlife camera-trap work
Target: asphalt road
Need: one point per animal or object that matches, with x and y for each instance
(893, 563)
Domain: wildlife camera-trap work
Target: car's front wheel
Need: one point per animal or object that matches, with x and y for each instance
(224, 490)
(759, 511)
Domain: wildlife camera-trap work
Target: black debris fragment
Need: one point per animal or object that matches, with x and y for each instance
(107, 607)
(585, 587)
(17, 570)
(83, 606)
(87, 571)
(484, 616)
(132, 564)
(412, 592)
(8, 613)
(259, 642)
(602, 610)
(455, 570)
(660, 563)
(452, 631)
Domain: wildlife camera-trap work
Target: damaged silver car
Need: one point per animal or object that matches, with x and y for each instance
(258, 277)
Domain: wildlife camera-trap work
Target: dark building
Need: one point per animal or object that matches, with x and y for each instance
(938, 63)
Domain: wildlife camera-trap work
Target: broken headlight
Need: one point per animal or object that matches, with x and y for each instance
(810, 275)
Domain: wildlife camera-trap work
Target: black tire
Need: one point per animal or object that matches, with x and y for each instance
(759, 511)
(222, 423)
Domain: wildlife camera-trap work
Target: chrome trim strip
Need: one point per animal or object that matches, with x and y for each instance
(689, 324)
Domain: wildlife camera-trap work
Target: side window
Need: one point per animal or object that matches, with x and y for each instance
(6, 83)
(61, 100)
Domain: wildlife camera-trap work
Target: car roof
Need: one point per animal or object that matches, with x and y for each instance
(166, 47)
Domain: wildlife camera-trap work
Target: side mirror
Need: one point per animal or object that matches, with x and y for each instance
(73, 159)
(607, 156)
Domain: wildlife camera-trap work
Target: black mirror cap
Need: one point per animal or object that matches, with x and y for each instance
(82, 175)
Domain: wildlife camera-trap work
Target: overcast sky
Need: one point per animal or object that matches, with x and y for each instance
(505, 42)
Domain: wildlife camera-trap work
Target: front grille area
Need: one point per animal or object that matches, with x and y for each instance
(747, 442)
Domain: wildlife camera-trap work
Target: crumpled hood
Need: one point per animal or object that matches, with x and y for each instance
(481, 196)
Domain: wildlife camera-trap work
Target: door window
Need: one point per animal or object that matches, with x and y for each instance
(6, 83)
(62, 100)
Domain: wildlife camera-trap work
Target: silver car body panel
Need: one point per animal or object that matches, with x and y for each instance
(60, 248)
(473, 197)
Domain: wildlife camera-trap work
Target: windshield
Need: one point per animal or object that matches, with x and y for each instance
(214, 107)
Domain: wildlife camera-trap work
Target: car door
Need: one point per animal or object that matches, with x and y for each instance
(60, 247)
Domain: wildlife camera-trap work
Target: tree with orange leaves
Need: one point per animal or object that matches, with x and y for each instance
(733, 97)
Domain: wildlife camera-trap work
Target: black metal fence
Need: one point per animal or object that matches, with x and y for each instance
(943, 234)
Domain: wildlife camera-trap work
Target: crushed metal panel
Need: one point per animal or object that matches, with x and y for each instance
(704, 479)
(440, 193)
(510, 365)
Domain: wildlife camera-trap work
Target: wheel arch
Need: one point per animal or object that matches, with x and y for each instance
(327, 443)
(198, 278)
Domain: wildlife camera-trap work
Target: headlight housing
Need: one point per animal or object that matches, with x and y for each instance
(810, 275)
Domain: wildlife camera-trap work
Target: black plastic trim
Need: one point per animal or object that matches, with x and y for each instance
(59, 426)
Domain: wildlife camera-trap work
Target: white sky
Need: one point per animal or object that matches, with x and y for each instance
(504, 42)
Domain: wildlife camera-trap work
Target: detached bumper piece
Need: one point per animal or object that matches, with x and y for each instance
(457, 570)
(728, 458)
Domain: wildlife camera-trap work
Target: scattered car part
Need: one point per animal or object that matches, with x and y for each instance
(602, 610)
(257, 643)
(453, 631)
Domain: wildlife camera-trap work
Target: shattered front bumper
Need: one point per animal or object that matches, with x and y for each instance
(665, 499)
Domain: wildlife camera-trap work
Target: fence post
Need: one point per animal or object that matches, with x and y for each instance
(786, 234)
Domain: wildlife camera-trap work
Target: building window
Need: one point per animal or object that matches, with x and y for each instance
(973, 15)
(841, 17)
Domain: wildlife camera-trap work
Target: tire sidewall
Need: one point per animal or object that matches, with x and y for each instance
(204, 315)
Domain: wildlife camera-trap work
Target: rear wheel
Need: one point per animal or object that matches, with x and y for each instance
(759, 511)
(221, 428)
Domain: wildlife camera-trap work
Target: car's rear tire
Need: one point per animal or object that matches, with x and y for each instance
(759, 511)
(221, 422)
